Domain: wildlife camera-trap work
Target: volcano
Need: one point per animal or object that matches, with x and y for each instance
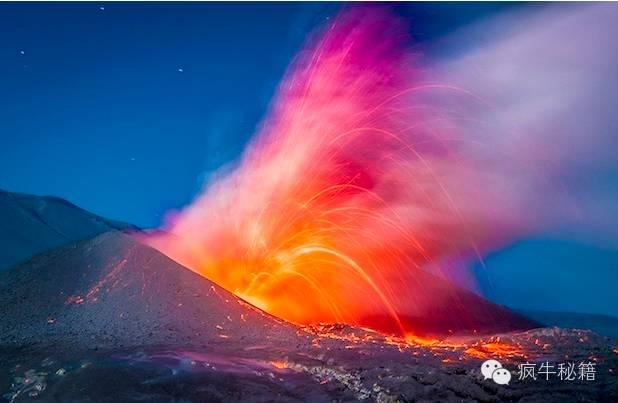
(328, 261)
(111, 319)
(112, 291)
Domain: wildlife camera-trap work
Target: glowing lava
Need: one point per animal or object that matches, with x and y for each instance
(351, 190)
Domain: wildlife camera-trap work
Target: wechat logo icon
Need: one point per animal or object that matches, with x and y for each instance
(492, 369)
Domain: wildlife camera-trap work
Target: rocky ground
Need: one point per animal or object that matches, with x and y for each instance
(340, 364)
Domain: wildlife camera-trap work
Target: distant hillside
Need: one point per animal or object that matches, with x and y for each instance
(602, 324)
(33, 224)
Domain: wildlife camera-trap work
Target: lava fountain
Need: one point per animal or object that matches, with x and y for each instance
(358, 197)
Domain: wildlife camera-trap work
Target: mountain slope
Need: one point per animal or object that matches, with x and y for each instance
(112, 292)
(602, 324)
(32, 224)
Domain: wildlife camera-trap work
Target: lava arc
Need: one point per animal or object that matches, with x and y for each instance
(350, 191)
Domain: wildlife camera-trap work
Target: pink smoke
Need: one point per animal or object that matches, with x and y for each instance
(366, 171)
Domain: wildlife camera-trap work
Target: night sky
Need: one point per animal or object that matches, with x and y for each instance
(125, 108)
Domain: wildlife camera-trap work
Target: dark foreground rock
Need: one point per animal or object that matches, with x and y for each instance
(341, 364)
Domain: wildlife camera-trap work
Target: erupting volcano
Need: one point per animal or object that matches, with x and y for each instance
(397, 225)
(359, 200)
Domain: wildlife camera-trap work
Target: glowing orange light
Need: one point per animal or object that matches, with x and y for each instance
(278, 364)
(495, 349)
(349, 192)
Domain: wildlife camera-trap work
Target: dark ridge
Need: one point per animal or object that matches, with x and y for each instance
(34, 224)
(602, 324)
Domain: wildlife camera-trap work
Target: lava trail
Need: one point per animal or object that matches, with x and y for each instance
(362, 194)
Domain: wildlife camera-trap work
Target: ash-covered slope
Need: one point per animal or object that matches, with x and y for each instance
(32, 224)
(113, 292)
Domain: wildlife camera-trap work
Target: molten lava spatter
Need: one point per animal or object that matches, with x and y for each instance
(352, 188)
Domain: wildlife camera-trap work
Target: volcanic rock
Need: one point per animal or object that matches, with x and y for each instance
(112, 292)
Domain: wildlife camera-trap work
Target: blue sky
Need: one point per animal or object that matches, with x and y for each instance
(124, 109)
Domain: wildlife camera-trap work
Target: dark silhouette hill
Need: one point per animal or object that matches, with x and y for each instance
(33, 224)
(602, 324)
